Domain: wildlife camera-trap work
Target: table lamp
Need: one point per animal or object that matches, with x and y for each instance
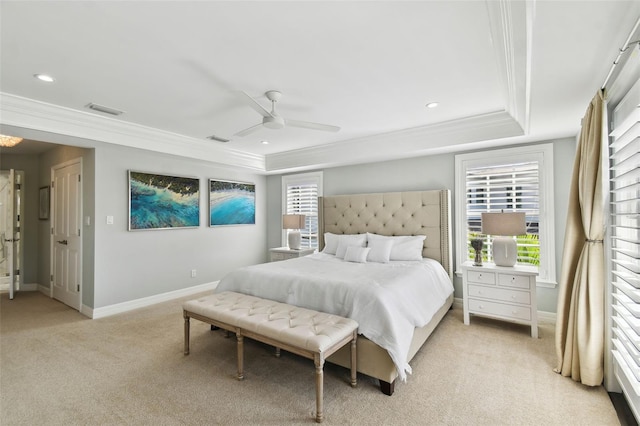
(294, 223)
(503, 226)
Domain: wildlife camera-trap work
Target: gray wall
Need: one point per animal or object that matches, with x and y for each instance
(428, 172)
(119, 265)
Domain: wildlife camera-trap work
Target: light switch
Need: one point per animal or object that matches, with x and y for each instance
(109, 220)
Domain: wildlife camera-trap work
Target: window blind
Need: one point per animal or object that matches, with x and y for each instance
(513, 187)
(302, 198)
(624, 235)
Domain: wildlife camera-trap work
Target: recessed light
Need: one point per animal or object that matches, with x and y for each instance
(432, 104)
(264, 142)
(44, 77)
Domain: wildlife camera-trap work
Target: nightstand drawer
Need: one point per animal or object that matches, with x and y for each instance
(510, 280)
(500, 294)
(481, 277)
(494, 308)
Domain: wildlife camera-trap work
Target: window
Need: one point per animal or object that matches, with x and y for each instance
(511, 180)
(300, 196)
(624, 243)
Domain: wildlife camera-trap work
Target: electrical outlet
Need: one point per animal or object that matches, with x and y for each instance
(193, 273)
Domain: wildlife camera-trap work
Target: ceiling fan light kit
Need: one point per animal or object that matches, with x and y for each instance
(273, 120)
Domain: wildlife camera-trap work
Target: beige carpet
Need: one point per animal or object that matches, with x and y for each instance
(59, 368)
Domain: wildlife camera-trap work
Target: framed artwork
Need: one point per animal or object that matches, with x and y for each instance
(163, 202)
(231, 203)
(43, 210)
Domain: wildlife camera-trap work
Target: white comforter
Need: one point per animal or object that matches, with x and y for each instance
(387, 300)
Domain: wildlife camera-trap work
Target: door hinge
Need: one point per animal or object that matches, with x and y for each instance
(18, 186)
(16, 272)
(78, 287)
(78, 232)
(51, 184)
(51, 231)
(51, 278)
(78, 178)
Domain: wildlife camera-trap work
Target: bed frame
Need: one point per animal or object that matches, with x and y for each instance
(392, 213)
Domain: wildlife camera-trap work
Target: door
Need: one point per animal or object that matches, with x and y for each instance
(66, 252)
(7, 178)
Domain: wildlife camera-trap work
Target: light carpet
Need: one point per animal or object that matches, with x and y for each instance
(59, 368)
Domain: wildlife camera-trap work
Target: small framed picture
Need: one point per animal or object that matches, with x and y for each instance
(43, 211)
(231, 203)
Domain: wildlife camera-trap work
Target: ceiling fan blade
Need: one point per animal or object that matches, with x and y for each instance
(314, 126)
(248, 131)
(253, 104)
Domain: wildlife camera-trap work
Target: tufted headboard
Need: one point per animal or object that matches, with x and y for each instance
(392, 213)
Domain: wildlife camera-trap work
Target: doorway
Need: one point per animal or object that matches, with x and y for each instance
(11, 214)
(66, 226)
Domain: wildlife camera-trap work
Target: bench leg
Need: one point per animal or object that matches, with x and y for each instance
(319, 362)
(186, 333)
(277, 352)
(354, 372)
(240, 355)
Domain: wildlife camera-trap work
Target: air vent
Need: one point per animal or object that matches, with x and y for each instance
(104, 109)
(217, 138)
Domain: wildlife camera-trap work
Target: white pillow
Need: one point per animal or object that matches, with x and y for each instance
(407, 247)
(380, 250)
(332, 241)
(356, 254)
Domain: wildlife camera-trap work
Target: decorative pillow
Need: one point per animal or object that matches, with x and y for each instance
(380, 250)
(356, 254)
(406, 247)
(332, 241)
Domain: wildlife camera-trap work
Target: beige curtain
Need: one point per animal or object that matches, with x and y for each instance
(580, 313)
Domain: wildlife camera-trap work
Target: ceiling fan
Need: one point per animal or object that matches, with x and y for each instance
(273, 120)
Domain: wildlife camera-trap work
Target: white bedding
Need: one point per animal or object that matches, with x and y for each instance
(388, 300)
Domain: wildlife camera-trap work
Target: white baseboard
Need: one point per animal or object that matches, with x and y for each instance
(543, 316)
(130, 305)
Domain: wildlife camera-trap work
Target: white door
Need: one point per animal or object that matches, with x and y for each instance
(66, 254)
(6, 230)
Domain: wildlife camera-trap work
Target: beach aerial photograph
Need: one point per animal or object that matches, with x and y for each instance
(231, 203)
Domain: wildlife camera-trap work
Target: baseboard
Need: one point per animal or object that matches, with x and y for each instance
(130, 305)
(543, 316)
(23, 287)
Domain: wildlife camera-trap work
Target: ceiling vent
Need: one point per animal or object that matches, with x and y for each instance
(104, 109)
(217, 138)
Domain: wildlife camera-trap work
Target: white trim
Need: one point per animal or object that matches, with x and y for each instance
(544, 155)
(130, 305)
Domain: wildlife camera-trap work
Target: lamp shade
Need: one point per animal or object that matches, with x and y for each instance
(511, 223)
(293, 221)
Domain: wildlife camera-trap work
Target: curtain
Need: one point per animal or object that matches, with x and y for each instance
(581, 296)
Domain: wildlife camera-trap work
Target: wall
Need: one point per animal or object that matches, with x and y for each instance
(429, 172)
(133, 265)
(121, 266)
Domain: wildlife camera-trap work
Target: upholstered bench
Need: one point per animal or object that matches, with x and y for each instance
(304, 332)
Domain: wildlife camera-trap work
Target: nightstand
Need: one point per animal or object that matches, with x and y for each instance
(505, 293)
(284, 253)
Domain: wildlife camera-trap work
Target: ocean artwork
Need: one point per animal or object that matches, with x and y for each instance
(163, 202)
(231, 203)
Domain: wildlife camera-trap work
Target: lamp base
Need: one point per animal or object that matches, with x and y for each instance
(294, 240)
(505, 251)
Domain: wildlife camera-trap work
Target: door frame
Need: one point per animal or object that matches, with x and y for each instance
(54, 168)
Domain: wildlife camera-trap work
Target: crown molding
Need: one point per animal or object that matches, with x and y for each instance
(511, 32)
(423, 140)
(30, 114)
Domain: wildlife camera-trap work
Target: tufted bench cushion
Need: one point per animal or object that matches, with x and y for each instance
(306, 332)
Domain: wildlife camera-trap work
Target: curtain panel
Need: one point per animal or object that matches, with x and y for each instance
(581, 297)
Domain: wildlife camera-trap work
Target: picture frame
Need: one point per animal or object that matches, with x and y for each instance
(158, 201)
(231, 203)
(44, 204)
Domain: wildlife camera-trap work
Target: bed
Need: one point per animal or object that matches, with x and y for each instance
(384, 214)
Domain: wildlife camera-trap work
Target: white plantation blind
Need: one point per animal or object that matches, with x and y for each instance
(301, 194)
(511, 187)
(624, 164)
